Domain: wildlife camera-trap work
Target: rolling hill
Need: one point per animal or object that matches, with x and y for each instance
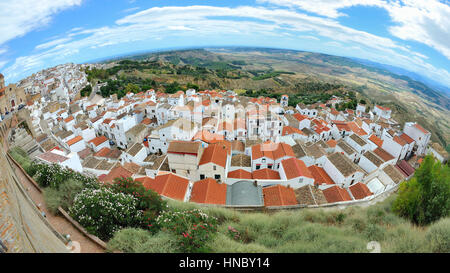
(289, 71)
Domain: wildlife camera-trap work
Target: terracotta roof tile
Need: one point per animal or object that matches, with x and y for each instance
(98, 140)
(336, 194)
(215, 153)
(320, 176)
(208, 191)
(294, 167)
(272, 150)
(74, 140)
(279, 196)
(407, 138)
(265, 174)
(383, 154)
(240, 174)
(376, 140)
(360, 190)
(116, 172)
(169, 185)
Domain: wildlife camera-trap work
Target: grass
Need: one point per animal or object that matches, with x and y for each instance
(324, 231)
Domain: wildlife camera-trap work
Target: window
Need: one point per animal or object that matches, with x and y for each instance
(202, 176)
(257, 167)
(217, 176)
(214, 167)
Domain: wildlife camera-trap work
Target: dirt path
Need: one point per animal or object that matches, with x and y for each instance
(60, 224)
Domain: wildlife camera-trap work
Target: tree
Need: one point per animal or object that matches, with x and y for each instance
(425, 198)
(133, 88)
(86, 91)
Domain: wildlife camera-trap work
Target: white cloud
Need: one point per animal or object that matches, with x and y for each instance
(207, 22)
(19, 17)
(3, 51)
(328, 8)
(308, 37)
(423, 21)
(53, 43)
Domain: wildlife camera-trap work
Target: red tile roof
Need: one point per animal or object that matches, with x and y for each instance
(294, 167)
(320, 176)
(336, 194)
(52, 157)
(215, 153)
(98, 140)
(68, 119)
(103, 152)
(421, 128)
(332, 143)
(74, 140)
(208, 191)
(265, 174)
(376, 140)
(360, 190)
(272, 150)
(116, 172)
(299, 116)
(383, 108)
(206, 136)
(400, 140)
(383, 154)
(240, 174)
(407, 138)
(169, 185)
(146, 121)
(356, 129)
(289, 130)
(279, 196)
(404, 166)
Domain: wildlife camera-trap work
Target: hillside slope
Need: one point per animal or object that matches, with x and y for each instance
(289, 71)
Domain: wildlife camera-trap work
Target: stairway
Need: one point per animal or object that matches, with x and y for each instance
(21, 138)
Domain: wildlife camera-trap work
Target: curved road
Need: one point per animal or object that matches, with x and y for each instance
(59, 223)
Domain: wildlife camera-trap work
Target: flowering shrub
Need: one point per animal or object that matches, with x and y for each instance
(54, 175)
(148, 201)
(192, 227)
(103, 212)
(234, 233)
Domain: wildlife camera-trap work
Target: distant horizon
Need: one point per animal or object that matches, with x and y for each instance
(445, 92)
(411, 35)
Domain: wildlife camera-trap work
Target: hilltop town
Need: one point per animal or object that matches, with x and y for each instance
(217, 146)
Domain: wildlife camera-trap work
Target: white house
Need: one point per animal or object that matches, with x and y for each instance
(343, 171)
(420, 136)
(295, 173)
(76, 144)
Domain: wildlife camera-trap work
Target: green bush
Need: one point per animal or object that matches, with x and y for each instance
(132, 240)
(63, 196)
(103, 212)
(426, 197)
(52, 199)
(193, 228)
(438, 236)
(149, 201)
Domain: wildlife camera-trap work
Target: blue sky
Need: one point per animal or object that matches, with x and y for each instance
(412, 34)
